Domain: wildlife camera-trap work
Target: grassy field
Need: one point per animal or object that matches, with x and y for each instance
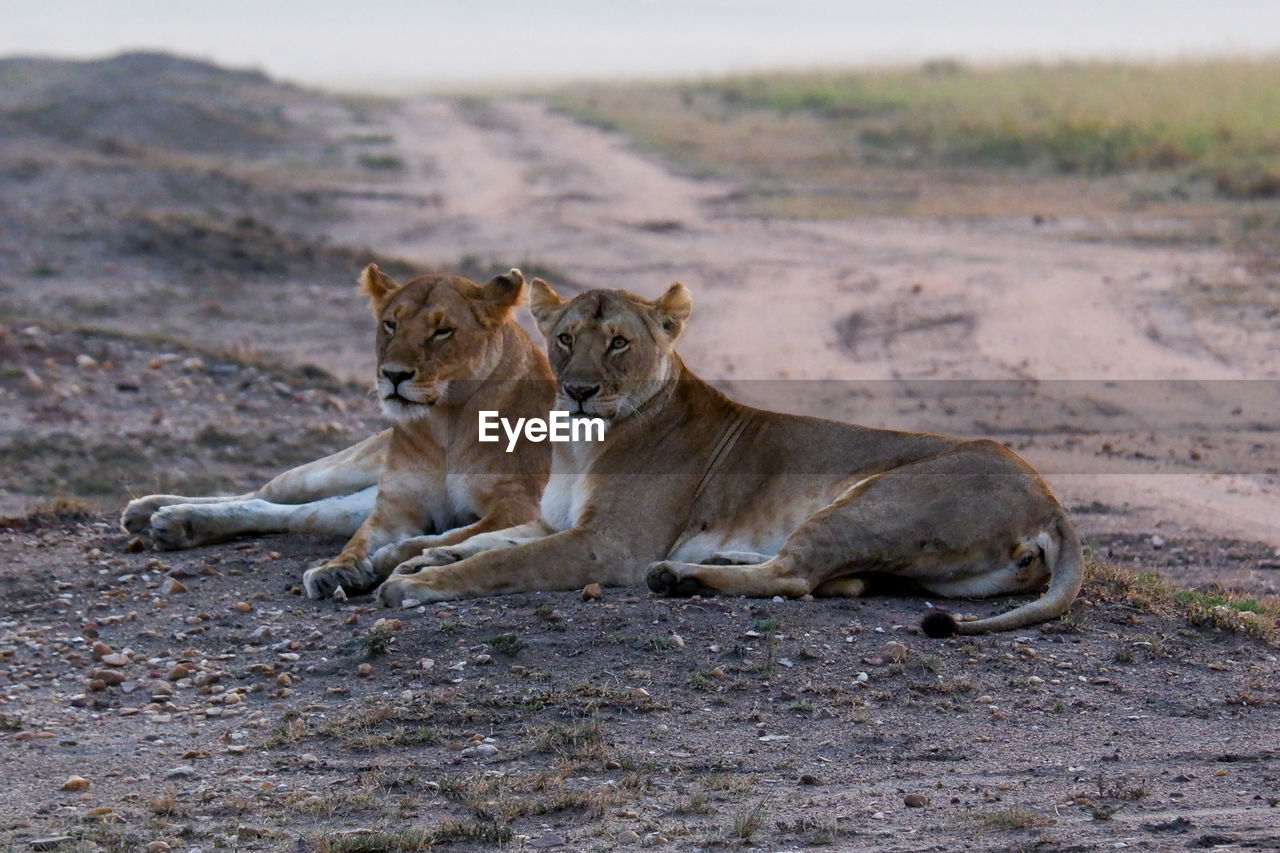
(947, 138)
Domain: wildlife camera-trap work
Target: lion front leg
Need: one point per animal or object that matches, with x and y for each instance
(570, 559)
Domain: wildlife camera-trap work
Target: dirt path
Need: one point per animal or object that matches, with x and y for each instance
(847, 300)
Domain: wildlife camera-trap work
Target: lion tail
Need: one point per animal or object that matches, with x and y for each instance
(1066, 568)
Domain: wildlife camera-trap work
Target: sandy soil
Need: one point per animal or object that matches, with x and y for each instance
(206, 705)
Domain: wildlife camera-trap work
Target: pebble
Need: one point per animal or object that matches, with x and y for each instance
(242, 607)
(654, 839)
(75, 783)
(915, 801)
(547, 841)
(182, 771)
(482, 750)
(629, 836)
(51, 843)
(180, 671)
(116, 659)
(364, 670)
(172, 586)
(592, 592)
(158, 847)
(107, 676)
(809, 779)
(339, 594)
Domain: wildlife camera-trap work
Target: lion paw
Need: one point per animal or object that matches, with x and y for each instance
(430, 558)
(388, 557)
(665, 578)
(353, 575)
(401, 591)
(173, 528)
(136, 517)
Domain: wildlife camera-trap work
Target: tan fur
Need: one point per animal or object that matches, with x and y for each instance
(691, 491)
(447, 348)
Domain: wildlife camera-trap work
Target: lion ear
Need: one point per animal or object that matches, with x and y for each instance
(378, 286)
(502, 293)
(545, 304)
(673, 308)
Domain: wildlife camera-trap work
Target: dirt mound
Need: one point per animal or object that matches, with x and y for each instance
(149, 100)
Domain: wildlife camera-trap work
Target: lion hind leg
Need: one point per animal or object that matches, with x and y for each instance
(136, 517)
(760, 580)
(843, 588)
(191, 524)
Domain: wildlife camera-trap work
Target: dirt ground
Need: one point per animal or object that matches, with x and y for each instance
(181, 316)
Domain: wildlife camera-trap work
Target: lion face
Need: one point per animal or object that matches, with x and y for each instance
(435, 333)
(610, 350)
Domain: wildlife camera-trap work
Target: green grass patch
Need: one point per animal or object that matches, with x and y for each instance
(1216, 609)
(407, 840)
(1218, 117)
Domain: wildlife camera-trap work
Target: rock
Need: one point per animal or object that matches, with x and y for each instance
(482, 750)
(53, 842)
(180, 671)
(108, 677)
(809, 779)
(915, 801)
(172, 586)
(133, 546)
(339, 594)
(75, 783)
(158, 847)
(547, 841)
(182, 771)
(654, 839)
(613, 764)
(241, 607)
(364, 670)
(116, 659)
(592, 592)
(1157, 542)
(629, 836)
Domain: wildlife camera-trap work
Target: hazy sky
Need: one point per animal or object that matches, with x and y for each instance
(435, 43)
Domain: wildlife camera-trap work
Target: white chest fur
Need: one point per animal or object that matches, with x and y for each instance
(568, 486)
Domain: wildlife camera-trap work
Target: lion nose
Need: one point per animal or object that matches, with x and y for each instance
(581, 393)
(396, 375)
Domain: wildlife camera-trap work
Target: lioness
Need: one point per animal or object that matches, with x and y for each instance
(447, 348)
(732, 499)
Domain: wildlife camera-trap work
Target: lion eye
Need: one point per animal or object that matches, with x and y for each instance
(618, 343)
(389, 325)
(441, 334)
(565, 339)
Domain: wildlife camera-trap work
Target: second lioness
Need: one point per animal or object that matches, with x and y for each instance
(447, 348)
(691, 492)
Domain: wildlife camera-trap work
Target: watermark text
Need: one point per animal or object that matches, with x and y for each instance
(559, 426)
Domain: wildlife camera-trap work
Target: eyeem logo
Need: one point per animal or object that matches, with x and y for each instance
(561, 426)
